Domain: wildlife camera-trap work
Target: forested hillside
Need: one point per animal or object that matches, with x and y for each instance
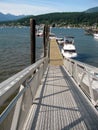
(92, 10)
(60, 19)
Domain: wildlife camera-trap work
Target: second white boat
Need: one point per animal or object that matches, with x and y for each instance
(95, 35)
(69, 50)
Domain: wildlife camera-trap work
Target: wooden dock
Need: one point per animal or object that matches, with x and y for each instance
(59, 104)
(55, 55)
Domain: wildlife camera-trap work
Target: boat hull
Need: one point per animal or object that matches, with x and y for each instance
(68, 54)
(96, 36)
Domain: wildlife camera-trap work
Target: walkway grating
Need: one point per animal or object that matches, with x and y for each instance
(59, 105)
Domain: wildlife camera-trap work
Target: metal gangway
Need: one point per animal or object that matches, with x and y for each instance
(51, 94)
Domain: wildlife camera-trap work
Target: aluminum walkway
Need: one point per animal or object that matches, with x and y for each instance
(60, 105)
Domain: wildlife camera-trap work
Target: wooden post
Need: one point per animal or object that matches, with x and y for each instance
(47, 41)
(47, 30)
(44, 40)
(33, 40)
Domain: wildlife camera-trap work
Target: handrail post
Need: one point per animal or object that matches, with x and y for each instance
(17, 111)
(90, 88)
(33, 40)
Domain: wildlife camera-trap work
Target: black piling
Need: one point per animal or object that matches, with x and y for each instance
(33, 40)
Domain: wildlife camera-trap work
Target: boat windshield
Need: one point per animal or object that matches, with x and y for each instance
(69, 40)
(71, 51)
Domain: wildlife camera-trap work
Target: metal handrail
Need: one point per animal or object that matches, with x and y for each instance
(8, 87)
(84, 76)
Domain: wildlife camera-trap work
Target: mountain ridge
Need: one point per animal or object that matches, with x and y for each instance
(92, 10)
(9, 17)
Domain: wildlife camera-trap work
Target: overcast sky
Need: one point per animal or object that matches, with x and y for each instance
(35, 7)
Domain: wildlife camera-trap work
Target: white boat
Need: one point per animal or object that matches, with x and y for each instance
(95, 35)
(60, 41)
(69, 50)
(39, 33)
(52, 36)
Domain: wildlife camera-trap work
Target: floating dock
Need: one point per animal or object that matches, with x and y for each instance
(55, 55)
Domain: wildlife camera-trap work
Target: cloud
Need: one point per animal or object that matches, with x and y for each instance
(26, 9)
(35, 7)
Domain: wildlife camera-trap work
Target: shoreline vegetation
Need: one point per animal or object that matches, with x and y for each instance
(72, 19)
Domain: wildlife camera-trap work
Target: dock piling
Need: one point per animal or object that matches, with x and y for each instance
(45, 39)
(33, 40)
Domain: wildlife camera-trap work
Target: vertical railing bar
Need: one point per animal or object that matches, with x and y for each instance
(90, 88)
(76, 73)
(11, 105)
(17, 111)
(81, 79)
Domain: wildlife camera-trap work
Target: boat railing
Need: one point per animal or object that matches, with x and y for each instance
(17, 93)
(85, 76)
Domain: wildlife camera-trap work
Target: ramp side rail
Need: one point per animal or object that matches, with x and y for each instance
(86, 77)
(22, 87)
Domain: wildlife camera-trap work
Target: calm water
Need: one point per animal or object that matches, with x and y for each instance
(15, 48)
(86, 45)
